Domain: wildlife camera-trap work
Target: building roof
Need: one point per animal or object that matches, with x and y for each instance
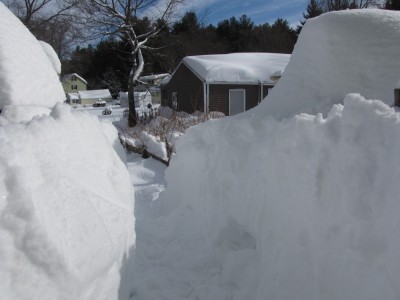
(95, 94)
(153, 77)
(73, 96)
(237, 67)
(68, 76)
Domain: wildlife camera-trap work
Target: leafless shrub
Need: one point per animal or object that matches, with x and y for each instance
(164, 128)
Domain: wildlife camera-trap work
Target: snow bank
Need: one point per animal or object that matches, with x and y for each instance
(338, 53)
(304, 207)
(27, 76)
(66, 211)
(52, 56)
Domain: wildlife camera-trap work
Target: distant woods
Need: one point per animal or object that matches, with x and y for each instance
(318, 7)
(108, 62)
(188, 36)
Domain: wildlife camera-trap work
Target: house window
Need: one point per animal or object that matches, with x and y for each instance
(73, 78)
(237, 101)
(174, 100)
(74, 87)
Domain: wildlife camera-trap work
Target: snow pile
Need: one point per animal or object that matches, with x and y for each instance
(304, 207)
(27, 76)
(66, 211)
(237, 67)
(339, 53)
(52, 56)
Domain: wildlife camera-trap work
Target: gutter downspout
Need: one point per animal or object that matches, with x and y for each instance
(206, 92)
(262, 93)
(208, 98)
(204, 97)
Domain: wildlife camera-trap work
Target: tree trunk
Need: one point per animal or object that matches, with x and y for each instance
(137, 69)
(132, 119)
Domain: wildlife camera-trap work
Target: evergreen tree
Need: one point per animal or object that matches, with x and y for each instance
(314, 9)
(392, 4)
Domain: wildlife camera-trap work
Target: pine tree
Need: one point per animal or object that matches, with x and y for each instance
(314, 9)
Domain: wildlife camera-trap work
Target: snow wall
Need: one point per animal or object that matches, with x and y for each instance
(66, 201)
(303, 206)
(336, 54)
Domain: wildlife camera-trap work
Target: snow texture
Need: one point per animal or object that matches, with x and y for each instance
(52, 56)
(66, 211)
(27, 76)
(339, 53)
(237, 67)
(281, 204)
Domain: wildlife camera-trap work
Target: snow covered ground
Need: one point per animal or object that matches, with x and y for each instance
(116, 115)
(297, 198)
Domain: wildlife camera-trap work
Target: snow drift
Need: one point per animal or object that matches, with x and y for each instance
(27, 75)
(339, 53)
(303, 206)
(66, 211)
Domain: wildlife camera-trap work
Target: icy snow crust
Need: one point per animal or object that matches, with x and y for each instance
(66, 211)
(304, 207)
(237, 67)
(27, 76)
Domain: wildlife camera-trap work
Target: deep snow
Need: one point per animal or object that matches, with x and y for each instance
(66, 203)
(35, 85)
(278, 203)
(339, 53)
(295, 199)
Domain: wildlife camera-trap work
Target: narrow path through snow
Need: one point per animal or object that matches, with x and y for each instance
(169, 264)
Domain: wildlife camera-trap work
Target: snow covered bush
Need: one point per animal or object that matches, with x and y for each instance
(66, 202)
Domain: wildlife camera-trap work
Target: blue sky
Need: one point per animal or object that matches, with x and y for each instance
(260, 11)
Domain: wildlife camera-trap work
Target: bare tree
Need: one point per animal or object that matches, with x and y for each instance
(35, 13)
(120, 18)
(52, 21)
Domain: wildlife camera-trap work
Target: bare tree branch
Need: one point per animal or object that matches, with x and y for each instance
(119, 18)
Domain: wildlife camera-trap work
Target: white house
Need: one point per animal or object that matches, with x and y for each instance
(89, 97)
(141, 99)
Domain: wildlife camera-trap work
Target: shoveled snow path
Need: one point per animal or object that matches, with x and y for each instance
(163, 269)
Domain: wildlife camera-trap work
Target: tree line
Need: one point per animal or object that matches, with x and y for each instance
(110, 58)
(135, 37)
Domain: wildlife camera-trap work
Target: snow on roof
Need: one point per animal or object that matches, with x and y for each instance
(68, 76)
(237, 67)
(153, 77)
(95, 94)
(165, 80)
(27, 76)
(73, 96)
